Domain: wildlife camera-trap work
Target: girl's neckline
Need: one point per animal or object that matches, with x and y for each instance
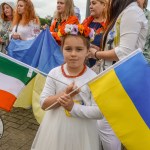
(69, 76)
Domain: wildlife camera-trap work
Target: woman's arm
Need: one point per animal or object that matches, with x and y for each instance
(131, 32)
(130, 27)
(106, 55)
(16, 36)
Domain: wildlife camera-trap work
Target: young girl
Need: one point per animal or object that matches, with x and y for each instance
(71, 125)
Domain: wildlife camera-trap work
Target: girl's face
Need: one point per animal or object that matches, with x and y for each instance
(74, 51)
(7, 10)
(96, 7)
(21, 7)
(60, 6)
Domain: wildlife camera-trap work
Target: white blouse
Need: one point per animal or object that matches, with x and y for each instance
(53, 87)
(27, 32)
(133, 32)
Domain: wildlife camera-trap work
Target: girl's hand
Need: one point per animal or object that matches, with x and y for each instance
(70, 88)
(66, 102)
(44, 27)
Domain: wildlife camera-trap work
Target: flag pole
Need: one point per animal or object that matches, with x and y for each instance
(99, 75)
(29, 67)
(111, 67)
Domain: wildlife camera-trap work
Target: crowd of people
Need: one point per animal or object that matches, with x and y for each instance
(114, 29)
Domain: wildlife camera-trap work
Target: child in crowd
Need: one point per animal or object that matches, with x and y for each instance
(71, 124)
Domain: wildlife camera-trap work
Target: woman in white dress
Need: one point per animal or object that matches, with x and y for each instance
(26, 25)
(71, 123)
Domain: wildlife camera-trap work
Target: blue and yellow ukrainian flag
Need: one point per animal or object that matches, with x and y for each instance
(123, 96)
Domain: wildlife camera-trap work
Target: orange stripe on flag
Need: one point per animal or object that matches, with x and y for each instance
(6, 100)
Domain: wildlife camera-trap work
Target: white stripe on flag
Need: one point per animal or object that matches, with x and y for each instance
(10, 84)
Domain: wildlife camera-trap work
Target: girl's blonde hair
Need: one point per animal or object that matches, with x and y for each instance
(69, 10)
(28, 16)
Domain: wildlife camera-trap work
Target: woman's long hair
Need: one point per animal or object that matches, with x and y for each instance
(104, 13)
(145, 4)
(3, 16)
(28, 16)
(69, 10)
(115, 7)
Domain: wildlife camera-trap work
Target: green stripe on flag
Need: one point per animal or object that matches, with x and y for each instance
(15, 70)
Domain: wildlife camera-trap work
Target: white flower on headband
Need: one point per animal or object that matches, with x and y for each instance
(79, 29)
(71, 29)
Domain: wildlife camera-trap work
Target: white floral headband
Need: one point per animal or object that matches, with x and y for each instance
(79, 29)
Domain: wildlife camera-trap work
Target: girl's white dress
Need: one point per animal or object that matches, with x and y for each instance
(61, 132)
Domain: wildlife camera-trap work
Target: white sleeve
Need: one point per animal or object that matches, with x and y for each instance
(130, 27)
(89, 112)
(49, 89)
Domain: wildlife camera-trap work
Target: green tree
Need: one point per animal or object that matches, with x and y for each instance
(44, 21)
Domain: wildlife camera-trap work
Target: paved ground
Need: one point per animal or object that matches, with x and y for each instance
(20, 128)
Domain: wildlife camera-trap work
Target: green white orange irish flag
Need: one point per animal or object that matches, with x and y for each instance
(14, 75)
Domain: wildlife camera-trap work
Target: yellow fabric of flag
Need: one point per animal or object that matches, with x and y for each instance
(24, 99)
(121, 113)
(37, 89)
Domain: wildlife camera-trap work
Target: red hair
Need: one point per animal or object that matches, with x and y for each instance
(29, 14)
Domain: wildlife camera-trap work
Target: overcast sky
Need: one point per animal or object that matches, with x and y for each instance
(47, 7)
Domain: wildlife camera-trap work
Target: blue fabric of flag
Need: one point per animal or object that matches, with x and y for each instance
(42, 52)
(136, 82)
